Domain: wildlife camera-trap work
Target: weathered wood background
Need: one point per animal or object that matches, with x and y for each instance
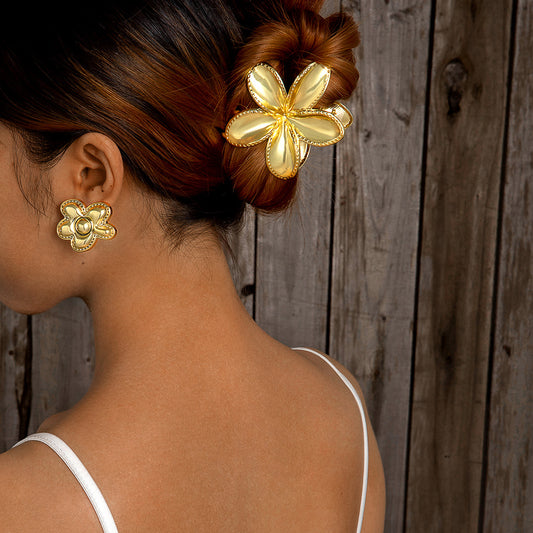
(409, 258)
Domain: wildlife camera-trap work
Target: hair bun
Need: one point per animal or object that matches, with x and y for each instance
(289, 43)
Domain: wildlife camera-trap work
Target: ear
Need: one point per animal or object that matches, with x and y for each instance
(90, 170)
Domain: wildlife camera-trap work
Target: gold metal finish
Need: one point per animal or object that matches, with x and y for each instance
(83, 225)
(289, 122)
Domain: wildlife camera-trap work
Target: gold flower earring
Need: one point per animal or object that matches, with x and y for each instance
(83, 225)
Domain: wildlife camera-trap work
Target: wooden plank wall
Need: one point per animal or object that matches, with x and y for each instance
(408, 257)
(509, 468)
(465, 132)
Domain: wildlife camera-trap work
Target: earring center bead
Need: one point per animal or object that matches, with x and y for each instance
(83, 226)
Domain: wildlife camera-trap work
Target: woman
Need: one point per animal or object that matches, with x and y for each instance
(132, 136)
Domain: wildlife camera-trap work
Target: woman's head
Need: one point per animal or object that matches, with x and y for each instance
(157, 81)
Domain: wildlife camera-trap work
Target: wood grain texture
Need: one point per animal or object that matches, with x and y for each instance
(465, 139)
(15, 377)
(376, 224)
(242, 261)
(63, 358)
(293, 261)
(293, 256)
(509, 490)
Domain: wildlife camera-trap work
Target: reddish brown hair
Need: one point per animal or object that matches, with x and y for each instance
(162, 79)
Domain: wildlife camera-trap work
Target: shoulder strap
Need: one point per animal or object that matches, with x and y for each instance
(82, 475)
(365, 432)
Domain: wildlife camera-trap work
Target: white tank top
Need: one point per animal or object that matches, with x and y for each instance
(97, 500)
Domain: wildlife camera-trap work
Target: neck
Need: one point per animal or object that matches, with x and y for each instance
(167, 334)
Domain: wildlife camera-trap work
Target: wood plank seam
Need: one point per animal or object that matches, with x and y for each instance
(497, 256)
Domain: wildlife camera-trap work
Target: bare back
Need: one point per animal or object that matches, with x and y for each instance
(282, 452)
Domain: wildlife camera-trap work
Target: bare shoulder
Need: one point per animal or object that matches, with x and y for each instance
(342, 369)
(335, 381)
(39, 493)
(374, 513)
(11, 492)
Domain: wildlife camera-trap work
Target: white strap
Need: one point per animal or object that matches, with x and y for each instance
(365, 432)
(82, 475)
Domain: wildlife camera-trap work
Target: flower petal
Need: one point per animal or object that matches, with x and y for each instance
(342, 113)
(64, 229)
(318, 128)
(309, 87)
(98, 213)
(283, 152)
(72, 209)
(266, 87)
(304, 152)
(249, 128)
(81, 245)
(105, 231)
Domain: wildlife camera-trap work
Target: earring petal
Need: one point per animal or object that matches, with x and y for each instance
(105, 231)
(64, 230)
(283, 152)
(266, 87)
(83, 244)
(318, 128)
(72, 209)
(308, 87)
(98, 213)
(249, 128)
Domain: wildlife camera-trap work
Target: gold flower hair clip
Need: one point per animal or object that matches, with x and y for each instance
(288, 121)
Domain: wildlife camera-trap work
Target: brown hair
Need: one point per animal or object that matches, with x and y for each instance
(162, 79)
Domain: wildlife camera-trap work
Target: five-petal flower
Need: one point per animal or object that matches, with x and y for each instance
(83, 225)
(289, 122)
